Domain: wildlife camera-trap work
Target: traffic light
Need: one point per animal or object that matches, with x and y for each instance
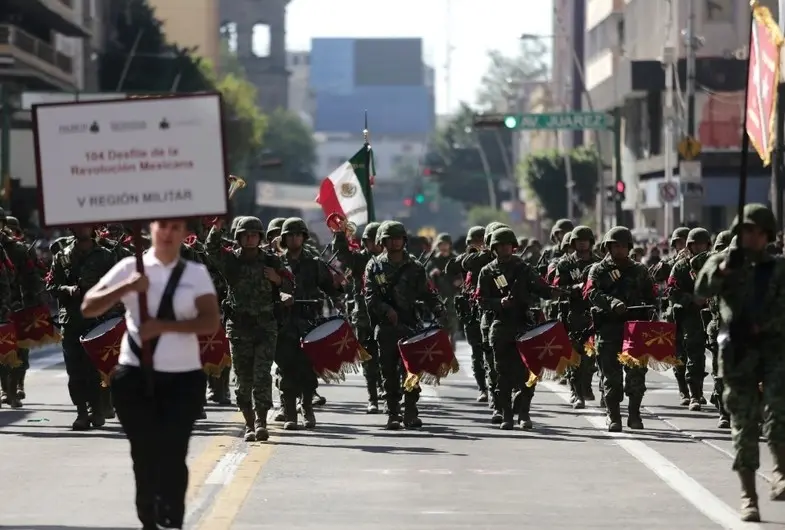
(419, 198)
(621, 187)
(408, 202)
(511, 122)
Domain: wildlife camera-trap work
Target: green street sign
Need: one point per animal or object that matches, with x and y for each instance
(570, 121)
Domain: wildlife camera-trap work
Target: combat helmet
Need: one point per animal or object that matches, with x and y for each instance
(370, 231)
(756, 214)
(699, 235)
(566, 242)
(722, 240)
(582, 233)
(235, 222)
(443, 237)
(248, 224)
(293, 225)
(474, 233)
(390, 229)
(562, 225)
(618, 234)
(274, 226)
(13, 223)
(680, 233)
(503, 236)
(490, 229)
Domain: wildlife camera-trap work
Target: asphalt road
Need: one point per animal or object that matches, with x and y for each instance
(457, 472)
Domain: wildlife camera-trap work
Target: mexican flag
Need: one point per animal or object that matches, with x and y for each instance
(347, 190)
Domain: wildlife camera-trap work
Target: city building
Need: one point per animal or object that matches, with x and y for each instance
(256, 32)
(567, 58)
(191, 24)
(625, 40)
(301, 99)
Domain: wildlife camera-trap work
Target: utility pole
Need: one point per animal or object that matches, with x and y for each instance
(692, 44)
(5, 144)
(668, 60)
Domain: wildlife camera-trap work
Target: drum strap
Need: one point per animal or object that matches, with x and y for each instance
(165, 308)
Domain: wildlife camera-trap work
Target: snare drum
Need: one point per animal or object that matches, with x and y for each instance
(333, 349)
(9, 356)
(102, 344)
(547, 351)
(428, 356)
(215, 352)
(35, 327)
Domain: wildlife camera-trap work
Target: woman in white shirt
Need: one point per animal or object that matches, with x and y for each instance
(159, 424)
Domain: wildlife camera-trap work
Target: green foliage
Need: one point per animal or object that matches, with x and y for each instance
(508, 77)
(291, 141)
(544, 174)
(483, 215)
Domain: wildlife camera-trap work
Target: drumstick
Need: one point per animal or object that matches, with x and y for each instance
(633, 307)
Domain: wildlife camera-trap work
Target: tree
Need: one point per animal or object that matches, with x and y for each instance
(545, 175)
(509, 79)
(289, 140)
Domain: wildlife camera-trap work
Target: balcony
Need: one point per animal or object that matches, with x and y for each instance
(57, 15)
(34, 63)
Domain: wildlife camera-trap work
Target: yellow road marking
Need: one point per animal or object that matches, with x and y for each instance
(204, 464)
(230, 500)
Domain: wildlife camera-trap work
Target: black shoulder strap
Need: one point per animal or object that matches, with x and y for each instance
(165, 308)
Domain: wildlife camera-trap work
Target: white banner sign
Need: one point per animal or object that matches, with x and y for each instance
(130, 160)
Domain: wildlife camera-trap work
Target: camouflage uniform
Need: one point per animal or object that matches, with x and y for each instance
(611, 288)
(397, 285)
(749, 284)
(523, 286)
(467, 312)
(445, 280)
(571, 273)
(251, 320)
(313, 280)
(472, 264)
(357, 261)
(685, 309)
(75, 271)
(559, 230)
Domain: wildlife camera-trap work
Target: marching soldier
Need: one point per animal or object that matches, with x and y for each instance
(613, 285)
(357, 261)
(571, 274)
(447, 282)
(313, 280)
(75, 270)
(466, 310)
(506, 288)
(255, 278)
(560, 228)
(685, 308)
(394, 284)
(749, 283)
(472, 264)
(724, 240)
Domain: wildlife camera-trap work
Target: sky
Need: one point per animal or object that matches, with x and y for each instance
(473, 27)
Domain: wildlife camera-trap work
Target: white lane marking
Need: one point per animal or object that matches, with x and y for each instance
(679, 481)
(226, 468)
(670, 375)
(430, 393)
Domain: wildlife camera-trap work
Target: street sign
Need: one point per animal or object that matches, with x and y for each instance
(691, 190)
(668, 192)
(690, 170)
(570, 121)
(689, 148)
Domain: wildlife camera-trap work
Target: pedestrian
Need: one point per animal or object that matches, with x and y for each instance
(182, 303)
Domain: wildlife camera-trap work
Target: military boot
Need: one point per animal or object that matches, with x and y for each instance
(522, 405)
(508, 417)
(749, 497)
(497, 417)
(309, 417)
(82, 421)
(411, 414)
(4, 388)
(587, 377)
(281, 414)
(317, 400)
(13, 400)
(248, 416)
(696, 395)
(684, 390)
(634, 420)
(20, 391)
(393, 420)
(290, 412)
(778, 473)
(106, 403)
(578, 400)
(212, 389)
(483, 397)
(260, 426)
(573, 390)
(613, 416)
(373, 398)
(96, 415)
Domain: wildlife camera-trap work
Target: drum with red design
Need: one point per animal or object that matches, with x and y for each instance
(428, 356)
(102, 344)
(9, 355)
(547, 351)
(215, 352)
(35, 327)
(333, 349)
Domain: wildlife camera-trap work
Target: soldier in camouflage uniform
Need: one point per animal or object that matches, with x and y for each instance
(532, 252)
(274, 229)
(75, 270)
(446, 281)
(614, 284)
(313, 280)
(255, 280)
(394, 284)
(472, 264)
(685, 308)
(571, 274)
(508, 302)
(558, 231)
(749, 283)
(466, 309)
(356, 262)
(724, 240)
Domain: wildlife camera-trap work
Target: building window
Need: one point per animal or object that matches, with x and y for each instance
(229, 35)
(721, 11)
(260, 40)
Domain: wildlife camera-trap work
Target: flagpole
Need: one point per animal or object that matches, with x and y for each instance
(367, 189)
(745, 137)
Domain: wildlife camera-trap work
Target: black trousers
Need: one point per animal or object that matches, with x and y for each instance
(159, 429)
